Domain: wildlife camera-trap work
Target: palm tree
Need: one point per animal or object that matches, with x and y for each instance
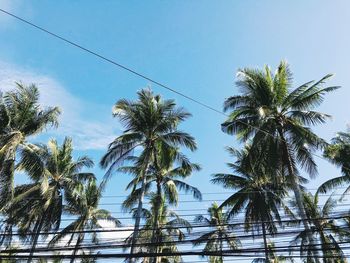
(270, 112)
(172, 229)
(168, 180)
(220, 234)
(147, 121)
(324, 230)
(37, 206)
(21, 116)
(257, 195)
(84, 204)
(338, 152)
(167, 171)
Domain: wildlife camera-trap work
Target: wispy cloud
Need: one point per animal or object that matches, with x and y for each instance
(87, 134)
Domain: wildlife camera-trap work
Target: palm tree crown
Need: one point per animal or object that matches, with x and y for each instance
(172, 228)
(38, 206)
(21, 116)
(220, 233)
(166, 172)
(257, 193)
(338, 152)
(147, 121)
(84, 205)
(325, 230)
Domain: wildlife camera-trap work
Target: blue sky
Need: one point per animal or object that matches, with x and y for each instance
(195, 47)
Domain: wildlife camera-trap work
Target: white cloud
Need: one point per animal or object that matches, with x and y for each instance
(122, 233)
(87, 134)
(116, 236)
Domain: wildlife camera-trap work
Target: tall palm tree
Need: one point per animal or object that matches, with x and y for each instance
(21, 116)
(221, 233)
(257, 194)
(172, 229)
(338, 152)
(84, 204)
(270, 112)
(147, 121)
(37, 206)
(324, 229)
(168, 180)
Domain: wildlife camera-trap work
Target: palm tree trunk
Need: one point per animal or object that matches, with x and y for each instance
(79, 240)
(6, 177)
(139, 209)
(7, 187)
(221, 249)
(324, 247)
(38, 227)
(138, 219)
(265, 242)
(154, 239)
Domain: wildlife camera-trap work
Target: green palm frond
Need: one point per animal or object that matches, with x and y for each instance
(326, 231)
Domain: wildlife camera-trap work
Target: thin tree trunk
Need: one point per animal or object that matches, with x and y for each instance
(79, 240)
(139, 210)
(265, 242)
(138, 219)
(38, 227)
(155, 226)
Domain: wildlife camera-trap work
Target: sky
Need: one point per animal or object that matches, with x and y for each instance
(195, 47)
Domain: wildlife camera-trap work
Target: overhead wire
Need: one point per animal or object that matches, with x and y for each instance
(165, 227)
(289, 248)
(228, 193)
(225, 253)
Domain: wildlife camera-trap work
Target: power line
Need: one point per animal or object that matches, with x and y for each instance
(94, 53)
(239, 219)
(164, 227)
(251, 250)
(226, 253)
(182, 215)
(191, 201)
(221, 193)
(285, 248)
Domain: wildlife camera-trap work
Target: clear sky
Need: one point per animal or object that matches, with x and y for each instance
(195, 47)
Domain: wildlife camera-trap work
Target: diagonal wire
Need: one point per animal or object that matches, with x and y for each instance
(134, 72)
